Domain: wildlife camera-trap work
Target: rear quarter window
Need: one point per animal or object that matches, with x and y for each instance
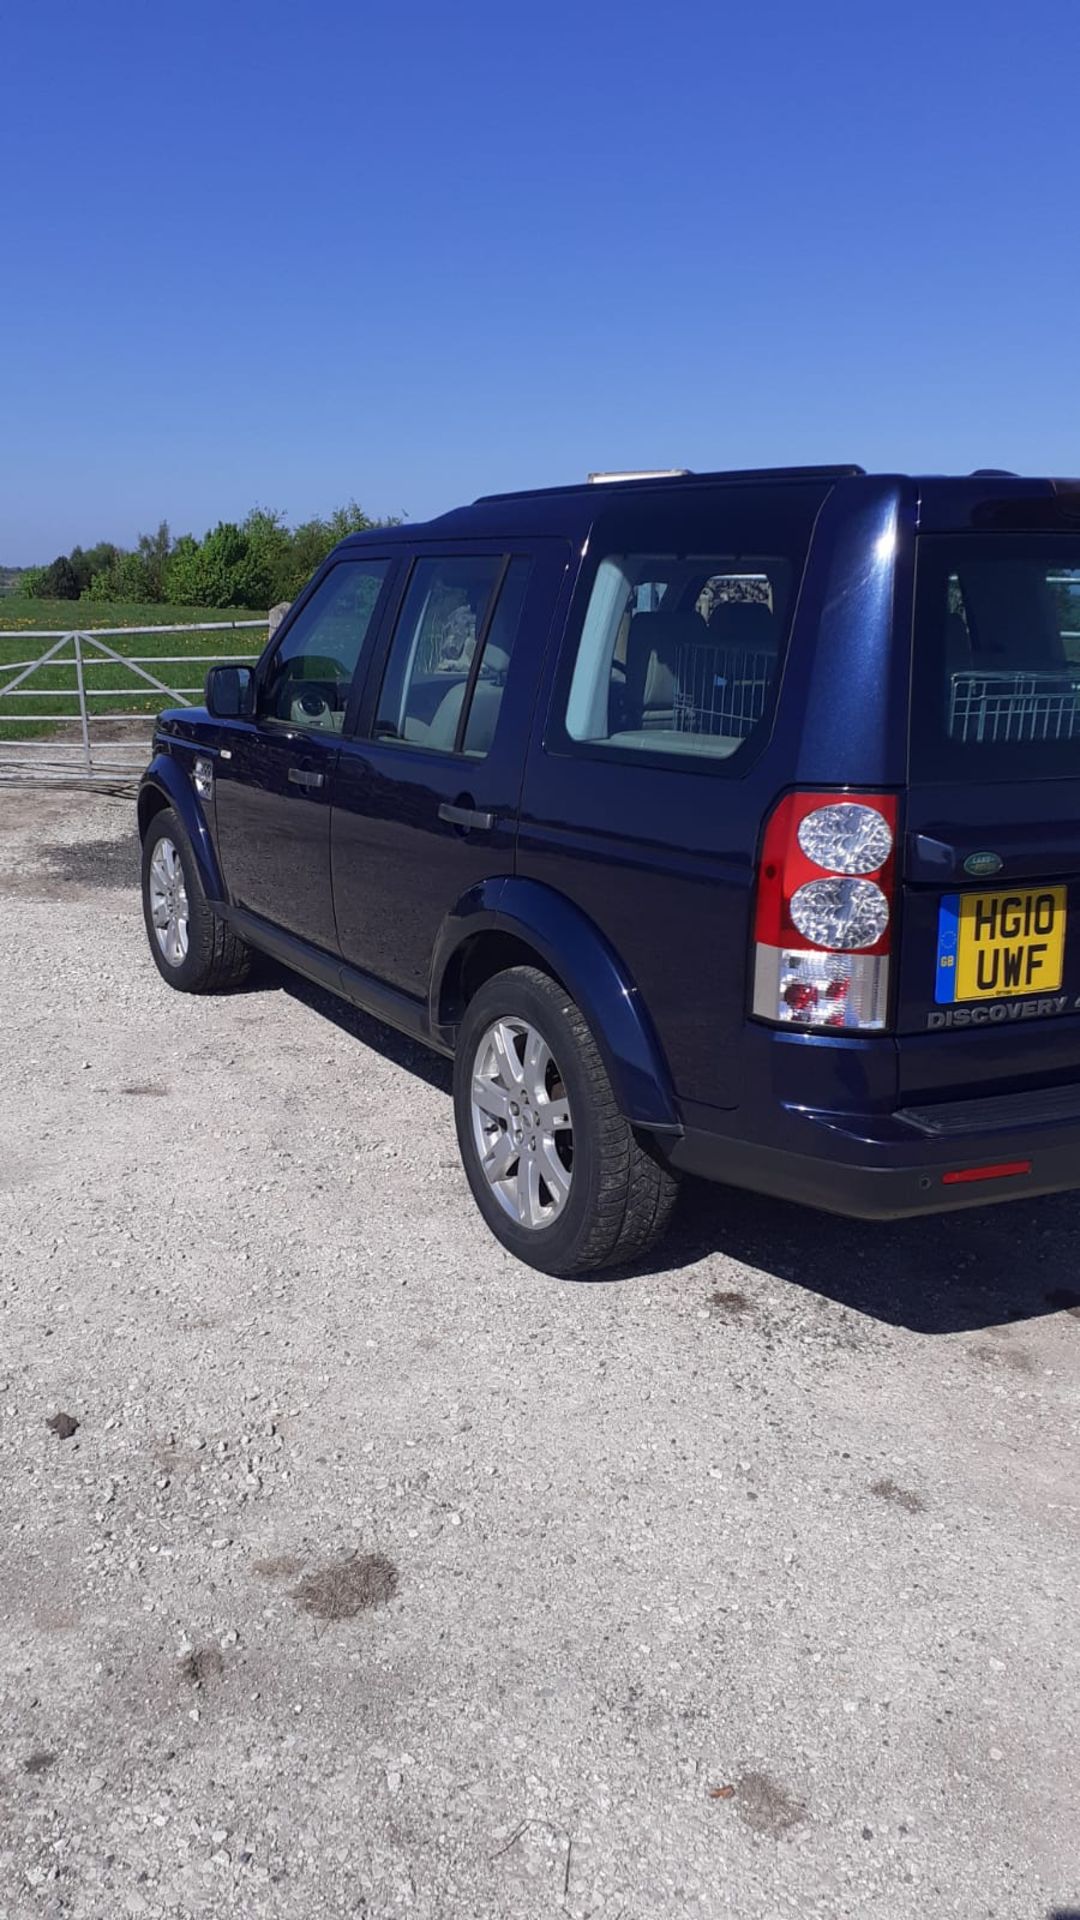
(996, 664)
(680, 625)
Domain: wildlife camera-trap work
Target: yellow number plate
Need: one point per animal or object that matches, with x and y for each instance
(992, 946)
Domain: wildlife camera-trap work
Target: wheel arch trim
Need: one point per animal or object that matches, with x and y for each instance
(165, 784)
(578, 953)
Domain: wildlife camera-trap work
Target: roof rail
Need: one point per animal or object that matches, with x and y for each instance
(682, 477)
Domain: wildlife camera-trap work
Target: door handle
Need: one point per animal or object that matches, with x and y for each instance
(466, 817)
(303, 777)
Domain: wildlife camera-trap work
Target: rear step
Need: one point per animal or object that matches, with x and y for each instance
(1002, 1111)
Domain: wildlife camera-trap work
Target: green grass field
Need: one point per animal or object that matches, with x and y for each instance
(53, 687)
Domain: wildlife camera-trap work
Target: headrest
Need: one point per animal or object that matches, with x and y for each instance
(744, 623)
(662, 633)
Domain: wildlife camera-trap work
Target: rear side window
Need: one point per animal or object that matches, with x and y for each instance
(996, 674)
(448, 663)
(679, 629)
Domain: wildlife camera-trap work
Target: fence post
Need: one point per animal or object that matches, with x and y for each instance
(80, 681)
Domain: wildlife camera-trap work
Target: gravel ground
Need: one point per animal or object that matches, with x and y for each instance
(384, 1576)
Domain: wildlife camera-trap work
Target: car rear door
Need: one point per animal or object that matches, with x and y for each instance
(989, 986)
(426, 789)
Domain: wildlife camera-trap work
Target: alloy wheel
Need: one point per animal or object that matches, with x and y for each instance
(521, 1123)
(169, 902)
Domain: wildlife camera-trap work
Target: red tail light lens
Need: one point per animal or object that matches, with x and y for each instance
(825, 902)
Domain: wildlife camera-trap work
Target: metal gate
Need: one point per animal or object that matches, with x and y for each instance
(86, 745)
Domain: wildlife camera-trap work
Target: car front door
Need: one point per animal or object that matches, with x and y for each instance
(426, 796)
(273, 776)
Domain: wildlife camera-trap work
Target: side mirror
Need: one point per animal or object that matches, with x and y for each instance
(230, 693)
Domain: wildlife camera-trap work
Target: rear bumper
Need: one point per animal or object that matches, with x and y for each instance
(890, 1178)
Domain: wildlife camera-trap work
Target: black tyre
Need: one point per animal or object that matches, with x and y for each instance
(559, 1175)
(192, 947)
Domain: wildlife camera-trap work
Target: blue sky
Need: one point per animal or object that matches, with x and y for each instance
(293, 254)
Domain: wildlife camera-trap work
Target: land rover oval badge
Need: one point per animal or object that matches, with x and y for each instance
(982, 865)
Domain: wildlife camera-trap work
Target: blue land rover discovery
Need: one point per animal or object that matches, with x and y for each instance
(719, 822)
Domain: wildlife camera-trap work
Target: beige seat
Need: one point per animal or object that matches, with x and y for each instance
(655, 645)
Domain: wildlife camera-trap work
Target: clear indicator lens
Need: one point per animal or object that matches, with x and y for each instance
(843, 914)
(846, 838)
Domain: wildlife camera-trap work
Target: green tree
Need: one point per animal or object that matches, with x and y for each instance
(92, 560)
(269, 567)
(211, 572)
(255, 563)
(60, 582)
(314, 539)
(153, 554)
(136, 576)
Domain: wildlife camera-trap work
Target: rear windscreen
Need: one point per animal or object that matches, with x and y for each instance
(996, 676)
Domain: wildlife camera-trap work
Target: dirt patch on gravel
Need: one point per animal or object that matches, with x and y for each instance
(1009, 1357)
(95, 863)
(901, 1497)
(202, 1665)
(731, 1305)
(58, 873)
(765, 1806)
(351, 1587)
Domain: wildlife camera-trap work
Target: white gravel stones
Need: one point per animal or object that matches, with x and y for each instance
(639, 1551)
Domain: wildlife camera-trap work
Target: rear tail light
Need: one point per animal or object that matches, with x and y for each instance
(825, 905)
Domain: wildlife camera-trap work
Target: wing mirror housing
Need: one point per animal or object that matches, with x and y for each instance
(230, 693)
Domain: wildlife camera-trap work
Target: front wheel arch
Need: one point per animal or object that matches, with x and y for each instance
(166, 783)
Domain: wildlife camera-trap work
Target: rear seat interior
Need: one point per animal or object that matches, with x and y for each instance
(441, 730)
(680, 670)
(653, 647)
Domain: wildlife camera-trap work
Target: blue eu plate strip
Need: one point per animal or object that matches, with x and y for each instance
(948, 934)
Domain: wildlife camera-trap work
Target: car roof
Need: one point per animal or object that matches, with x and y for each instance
(942, 500)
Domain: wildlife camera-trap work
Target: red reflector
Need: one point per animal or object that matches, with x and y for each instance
(1001, 1172)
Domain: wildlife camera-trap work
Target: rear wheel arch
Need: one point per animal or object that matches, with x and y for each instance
(562, 1178)
(478, 958)
(529, 924)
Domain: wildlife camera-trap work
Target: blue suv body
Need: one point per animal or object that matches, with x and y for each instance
(723, 823)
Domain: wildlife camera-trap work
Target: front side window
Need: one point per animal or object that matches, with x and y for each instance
(679, 652)
(447, 666)
(997, 657)
(311, 672)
